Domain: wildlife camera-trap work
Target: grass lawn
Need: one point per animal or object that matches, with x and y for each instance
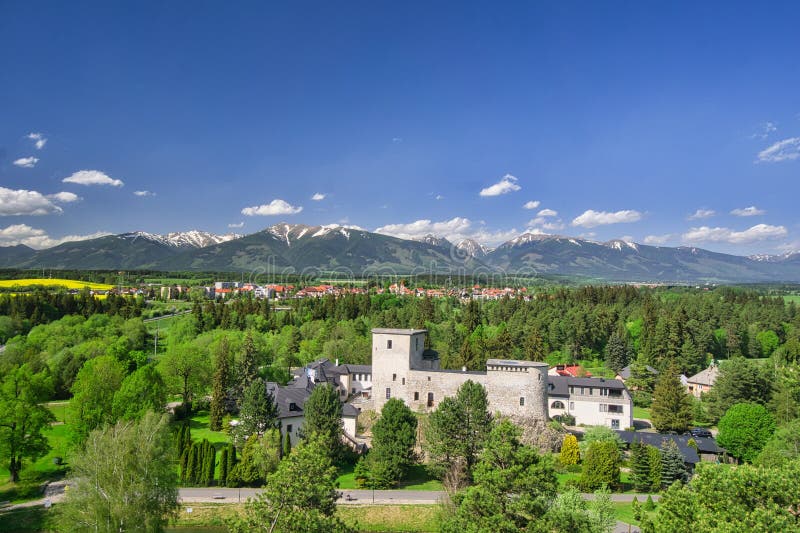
(417, 479)
(641, 412)
(410, 518)
(792, 298)
(623, 511)
(200, 430)
(34, 475)
(31, 519)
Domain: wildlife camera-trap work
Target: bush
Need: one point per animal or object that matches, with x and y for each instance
(570, 452)
(642, 398)
(600, 466)
(566, 419)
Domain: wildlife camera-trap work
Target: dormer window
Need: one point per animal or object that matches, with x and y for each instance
(293, 407)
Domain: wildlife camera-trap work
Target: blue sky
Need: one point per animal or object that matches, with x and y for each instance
(623, 118)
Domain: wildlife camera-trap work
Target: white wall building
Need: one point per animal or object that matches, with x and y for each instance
(592, 401)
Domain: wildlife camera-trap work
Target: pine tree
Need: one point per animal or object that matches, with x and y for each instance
(672, 405)
(649, 505)
(618, 353)
(287, 445)
(640, 467)
(220, 386)
(654, 460)
(672, 467)
(570, 452)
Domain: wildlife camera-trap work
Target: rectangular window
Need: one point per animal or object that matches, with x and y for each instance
(404, 381)
(389, 344)
(388, 393)
(429, 378)
(590, 391)
(521, 401)
(416, 396)
(614, 424)
(289, 429)
(430, 399)
(603, 392)
(394, 377)
(354, 390)
(416, 343)
(582, 391)
(615, 409)
(571, 390)
(571, 406)
(603, 408)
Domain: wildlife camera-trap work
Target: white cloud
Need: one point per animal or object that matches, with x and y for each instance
(627, 238)
(38, 238)
(92, 177)
(64, 197)
(785, 150)
(764, 130)
(236, 225)
(26, 162)
(504, 186)
(748, 211)
(39, 139)
(759, 232)
(275, 207)
(533, 204)
(397, 140)
(439, 197)
(657, 239)
(143, 193)
(592, 218)
(547, 213)
(454, 230)
(541, 224)
(318, 196)
(701, 213)
(22, 202)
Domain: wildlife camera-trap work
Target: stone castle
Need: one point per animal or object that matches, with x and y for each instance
(402, 368)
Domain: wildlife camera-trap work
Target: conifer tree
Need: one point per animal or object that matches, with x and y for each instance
(570, 451)
(220, 385)
(287, 445)
(209, 458)
(672, 466)
(229, 480)
(672, 406)
(248, 366)
(223, 467)
(640, 467)
(618, 352)
(654, 460)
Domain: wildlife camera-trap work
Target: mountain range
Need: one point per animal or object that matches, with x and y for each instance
(300, 248)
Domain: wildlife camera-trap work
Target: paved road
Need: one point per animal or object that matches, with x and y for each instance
(412, 497)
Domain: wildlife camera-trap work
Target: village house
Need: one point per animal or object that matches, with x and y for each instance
(592, 401)
(703, 381)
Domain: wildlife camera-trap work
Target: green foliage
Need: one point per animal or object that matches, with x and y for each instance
(123, 479)
(185, 368)
(260, 457)
(740, 380)
(220, 384)
(323, 419)
(287, 444)
(782, 447)
(640, 467)
(93, 395)
(600, 434)
(299, 497)
(654, 460)
(457, 430)
(231, 462)
(394, 435)
(745, 430)
(140, 392)
(513, 486)
(672, 406)
(672, 465)
(600, 466)
(720, 499)
(570, 512)
(618, 353)
(23, 418)
(649, 505)
(258, 412)
(570, 451)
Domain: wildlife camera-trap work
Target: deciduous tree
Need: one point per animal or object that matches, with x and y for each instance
(745, 429)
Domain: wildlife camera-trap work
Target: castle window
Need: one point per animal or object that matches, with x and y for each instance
(522, 401)
(430, 399)
(394, 377)
(388, 393)
(429, 378)
(557, 405)
(404, 381)
(389, 344)
(416, 396)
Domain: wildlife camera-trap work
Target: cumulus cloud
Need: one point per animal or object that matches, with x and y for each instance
(657, 239)
(92, 177)
(542, 224)
(785, 150)
(38, 238)
(533, 204)
(64, 197)
(236, 225)
(759, 232)
(275, 207)
(23, 202)
(592, 218)
(506, 185)
(701, 213)
(547, 213)
(318, 196)
(143, 193)
(39, 140)
(454, 230)
(748, 211)
(26, 162)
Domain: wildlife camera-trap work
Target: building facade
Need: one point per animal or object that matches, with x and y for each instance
(592, 401)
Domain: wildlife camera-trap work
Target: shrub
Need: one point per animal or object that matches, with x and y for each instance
(570, 452)
(600, 466)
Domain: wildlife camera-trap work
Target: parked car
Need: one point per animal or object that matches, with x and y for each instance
(701, 433)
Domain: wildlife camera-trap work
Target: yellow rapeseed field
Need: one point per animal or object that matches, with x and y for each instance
(44, 282)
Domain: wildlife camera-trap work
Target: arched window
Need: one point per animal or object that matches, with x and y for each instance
(557, 405)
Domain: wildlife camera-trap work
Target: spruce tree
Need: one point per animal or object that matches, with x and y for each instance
(672, 466)
(618, 352)
(640, 467)
(248, 366)
(220, 385)
(654, 460)
(672, 405)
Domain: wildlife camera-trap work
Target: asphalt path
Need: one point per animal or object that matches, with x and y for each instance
(353, 497)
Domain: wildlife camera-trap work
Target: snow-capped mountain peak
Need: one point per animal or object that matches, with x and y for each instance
(183, 239)
(433, 240)
(473, 248)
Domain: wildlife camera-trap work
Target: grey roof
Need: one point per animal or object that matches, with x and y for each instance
(359, 369)
(291, 400)
(557, 386)
(705, 377)
(596, 382)
(391, 331)
(657, 439)
(625, 373)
